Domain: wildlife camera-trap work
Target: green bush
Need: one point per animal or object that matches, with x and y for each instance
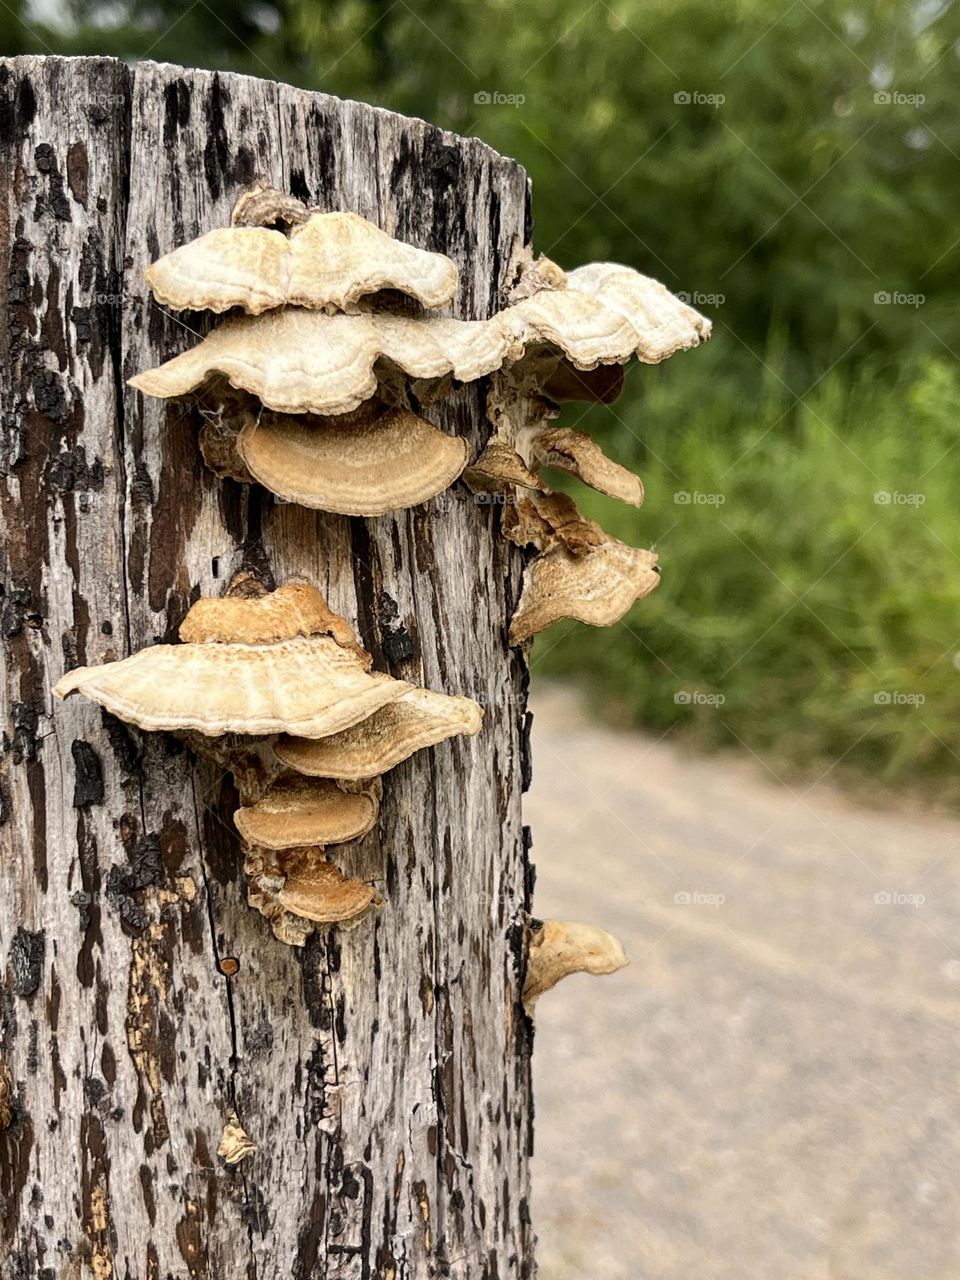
(791, 588)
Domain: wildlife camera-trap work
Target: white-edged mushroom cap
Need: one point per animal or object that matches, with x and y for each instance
(561, 947)
(308, 686)
(578, 453)
(296, 812)
(301, 361)
(330, 260)
(421, 718)
(297, 361)
(388, 463)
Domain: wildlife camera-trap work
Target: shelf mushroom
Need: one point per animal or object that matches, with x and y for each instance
(302, 384)
(559, 948)
(417, 719)
(259, 664)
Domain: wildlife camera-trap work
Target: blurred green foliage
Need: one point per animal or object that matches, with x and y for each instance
(789, 166)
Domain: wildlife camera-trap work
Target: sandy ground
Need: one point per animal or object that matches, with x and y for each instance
(770, 1090)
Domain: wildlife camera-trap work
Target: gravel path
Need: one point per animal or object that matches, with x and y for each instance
(770, 1090)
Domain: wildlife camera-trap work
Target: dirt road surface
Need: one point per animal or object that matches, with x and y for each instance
(770, 1091)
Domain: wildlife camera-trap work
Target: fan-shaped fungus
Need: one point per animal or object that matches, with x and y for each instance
(298, 811)
(561, 947)
(329, 260)
(420, 718)
(391, 461)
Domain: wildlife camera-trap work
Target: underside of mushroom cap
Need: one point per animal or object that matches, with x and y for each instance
(329, 260)
(294, 609)
(308, 686)
(500, 467)
(578, 453)
(388, 463)
(421, 718)
(297, 811)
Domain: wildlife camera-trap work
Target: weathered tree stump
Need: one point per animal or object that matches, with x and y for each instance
(382, 1072)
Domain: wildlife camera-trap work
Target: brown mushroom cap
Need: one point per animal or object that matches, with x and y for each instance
(387, 463)
(421, 718)
(297, 811)
(597, 586)
(320, 892)
(561, 947)
(578, 453)
(294, 609)
(309, 686)
(331, 259)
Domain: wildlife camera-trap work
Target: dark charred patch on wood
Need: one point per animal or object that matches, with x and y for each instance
(26, 961)
(397, 643)
(146, 1191)
(145, 871)
(88, 775)
(125, 743)
(70, 472)
(78, 172)
(51, 200)
(176, 111)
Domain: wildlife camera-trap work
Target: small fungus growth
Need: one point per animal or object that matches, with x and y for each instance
(235, 1144)
(561, 947)
(276, 687)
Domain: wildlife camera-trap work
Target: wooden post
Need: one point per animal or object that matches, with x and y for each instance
(383, 1071)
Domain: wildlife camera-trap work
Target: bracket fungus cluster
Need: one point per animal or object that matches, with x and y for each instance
(276, 686)
(297, 396)
(592, 321)
(314, 387)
